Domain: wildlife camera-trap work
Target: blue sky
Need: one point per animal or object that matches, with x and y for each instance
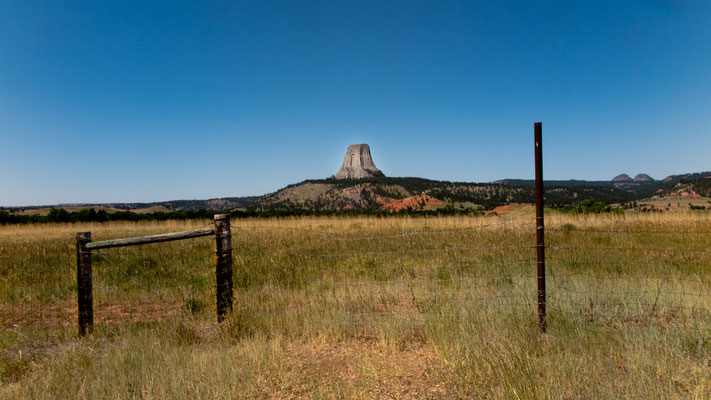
(150, 101)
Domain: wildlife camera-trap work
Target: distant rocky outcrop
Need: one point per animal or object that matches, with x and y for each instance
(643, 178)
(622, 178)
(417, 202)
(642, 183)
(358, 163)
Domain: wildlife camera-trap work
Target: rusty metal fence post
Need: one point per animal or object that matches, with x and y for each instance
(541, 259)
(84, 286)
(223, 265)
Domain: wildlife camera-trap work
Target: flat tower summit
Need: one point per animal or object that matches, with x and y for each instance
(358, 163)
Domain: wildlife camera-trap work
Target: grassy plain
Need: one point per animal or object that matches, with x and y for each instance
(675, 203)
(366, 308)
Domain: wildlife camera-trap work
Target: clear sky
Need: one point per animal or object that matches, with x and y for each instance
(149, 101)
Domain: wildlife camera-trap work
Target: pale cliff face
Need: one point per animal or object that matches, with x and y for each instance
(358, 163)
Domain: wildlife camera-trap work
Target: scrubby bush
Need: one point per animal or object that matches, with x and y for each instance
(589, 206)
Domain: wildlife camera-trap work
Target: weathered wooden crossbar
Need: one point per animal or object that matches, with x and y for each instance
(164, 237)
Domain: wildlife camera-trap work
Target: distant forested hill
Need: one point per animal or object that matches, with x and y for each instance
(386, 193)
(373, 193)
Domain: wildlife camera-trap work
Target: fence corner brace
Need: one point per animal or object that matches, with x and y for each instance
(223, 265)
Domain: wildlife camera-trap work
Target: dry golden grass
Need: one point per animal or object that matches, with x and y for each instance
(367, 308)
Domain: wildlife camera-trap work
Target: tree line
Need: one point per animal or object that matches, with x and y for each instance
(61, 215)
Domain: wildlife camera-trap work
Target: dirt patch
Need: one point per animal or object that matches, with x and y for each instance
(387, 371)
(65, 313)
(513, 208)
(501, 209)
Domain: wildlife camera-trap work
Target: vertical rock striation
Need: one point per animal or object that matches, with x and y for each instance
(358, 163)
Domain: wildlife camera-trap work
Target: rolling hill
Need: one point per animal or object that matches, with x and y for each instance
(382, 192)
(393, 194)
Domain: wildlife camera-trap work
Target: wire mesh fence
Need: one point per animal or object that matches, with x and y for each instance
(136, 285)
(155, 281)
(631, 277)
(607, 278)
(380, 270)
(406, 273)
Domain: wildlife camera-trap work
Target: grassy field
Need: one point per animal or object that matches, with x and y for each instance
(366, 308)
(675, 203)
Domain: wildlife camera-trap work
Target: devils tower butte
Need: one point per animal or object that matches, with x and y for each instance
(358, 163)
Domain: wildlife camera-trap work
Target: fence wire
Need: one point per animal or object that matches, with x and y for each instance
(130, 285)
(594, 275)
(630, 277)
(152, 282)
(374, 275)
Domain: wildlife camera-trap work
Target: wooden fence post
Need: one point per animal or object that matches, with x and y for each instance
(84, 286)
(223, 265)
